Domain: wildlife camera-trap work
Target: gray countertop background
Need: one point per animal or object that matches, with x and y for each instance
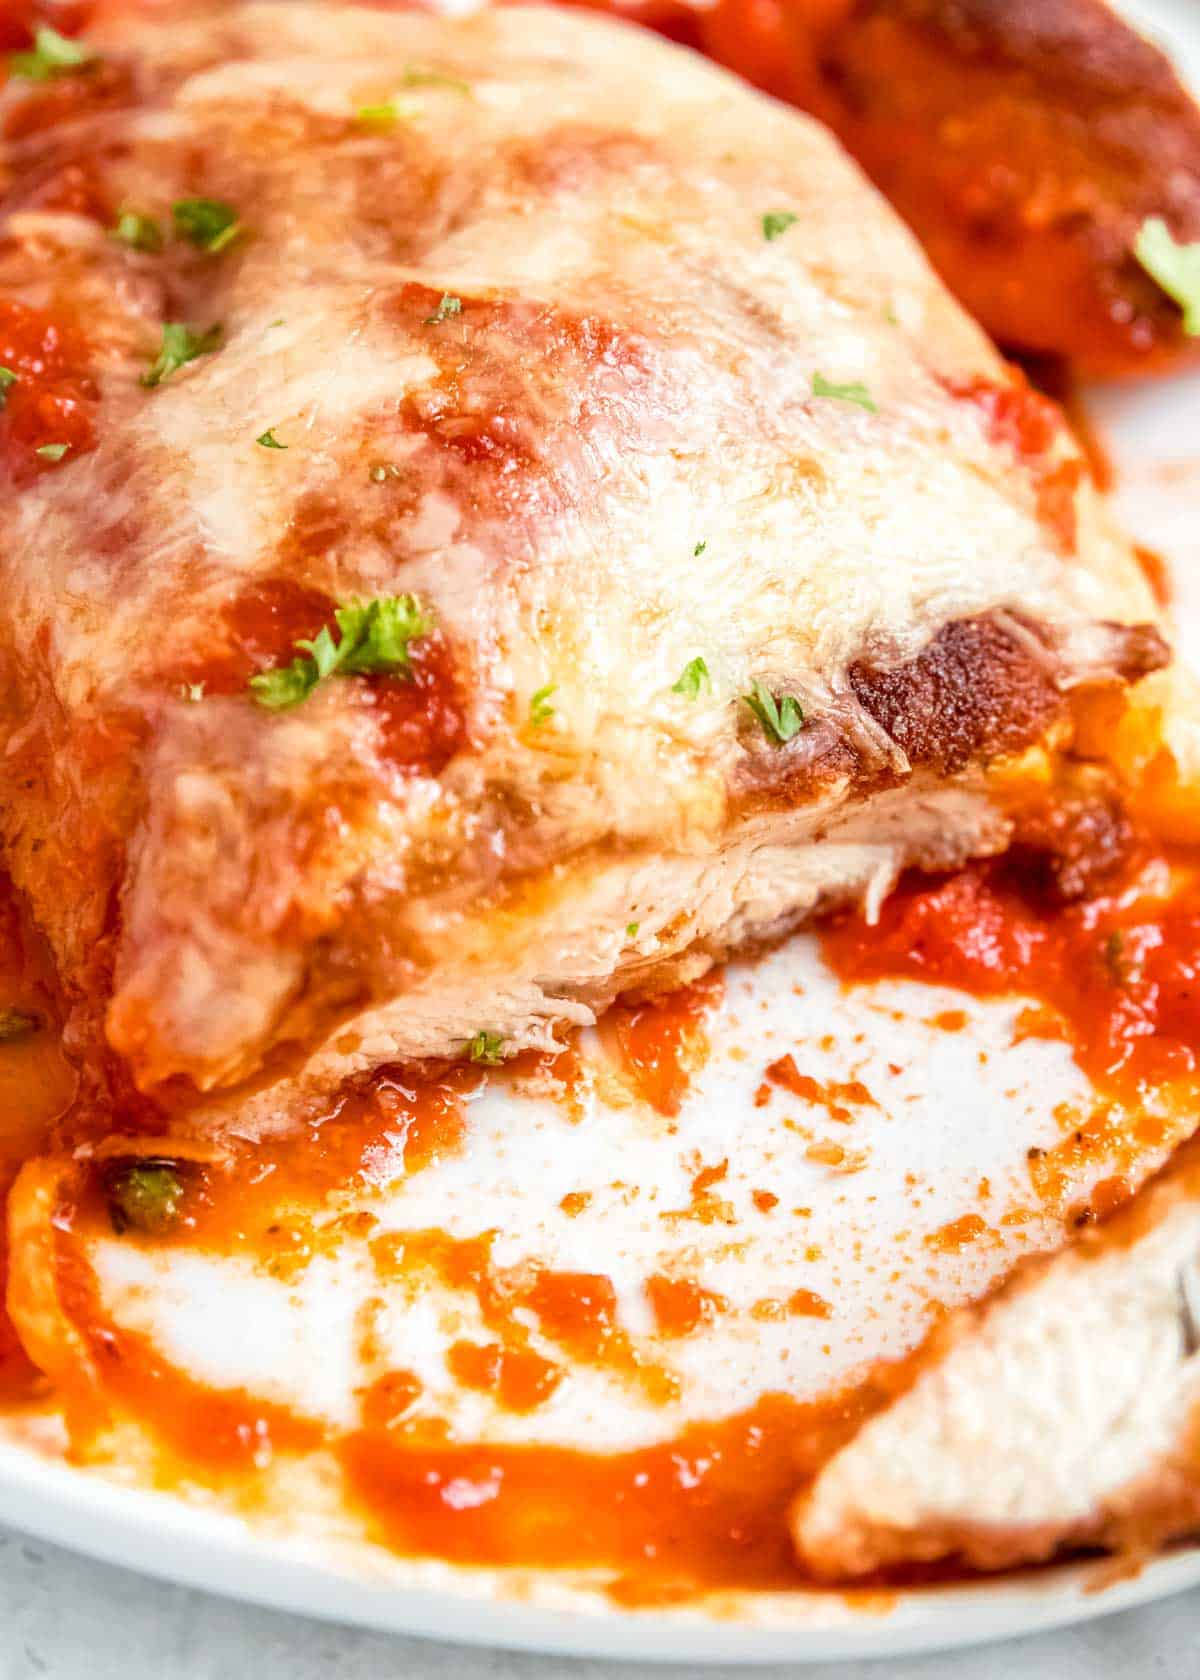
(65, 1616)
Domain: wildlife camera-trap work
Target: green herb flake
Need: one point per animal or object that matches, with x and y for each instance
(7, 380)
(378, 116)
(540, 709)
(777, 222)
(822, 387)
(146, 1197)
(53, 55)
(1175, 267)
(374, 637)
(206, 223)
(16, 1025)
(631, 929)
(52, 451)
(268, 440)
(140, 233)
(780, 718)
(180, 345)
(416, 75)
(486, 1048)
(699, 549)
(450, 305)
(1123, 969)
(692, 679)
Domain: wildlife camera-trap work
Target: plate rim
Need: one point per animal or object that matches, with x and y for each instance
(172, 1540)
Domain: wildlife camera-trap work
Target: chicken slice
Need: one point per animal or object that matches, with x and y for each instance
(1060, 1412)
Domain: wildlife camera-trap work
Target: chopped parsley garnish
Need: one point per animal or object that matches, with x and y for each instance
(383, 116)
(375, 636)
(7, 379)
(268, 440)
(777, 222)
(540, 709)
(822, 387)
(179, 346)
(487, 1048)
(780, 718)
(52, 451)
(631, 929)
(53, 55)
(450, 305)
(147, 1197)
(206, 223)
(140, 233)
(16, 1025)
(699, 549)
(1124, 969)
(415, 75)
(1175, 267)
(692, 679)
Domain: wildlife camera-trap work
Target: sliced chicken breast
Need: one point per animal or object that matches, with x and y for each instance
(1061, 1412)
(499, 514)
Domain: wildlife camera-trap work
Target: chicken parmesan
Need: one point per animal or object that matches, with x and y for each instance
(481, 541)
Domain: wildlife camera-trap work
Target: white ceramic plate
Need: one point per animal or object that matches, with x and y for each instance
(950, 1109)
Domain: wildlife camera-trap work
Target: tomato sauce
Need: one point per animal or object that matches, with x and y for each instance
(838, 1097)
(661, 1042)
(577, 1311)
(20, 18)
(1117, 974)
(263, 1198)
(418, 712)
(1030, 425)
(52, 400)
(706, 1509)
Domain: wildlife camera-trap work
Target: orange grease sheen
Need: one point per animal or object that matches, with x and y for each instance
(662, 1041)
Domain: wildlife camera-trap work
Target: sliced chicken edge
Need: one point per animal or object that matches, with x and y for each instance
(1060, 1412)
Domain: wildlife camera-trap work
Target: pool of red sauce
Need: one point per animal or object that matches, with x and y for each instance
(706, 1509)
(1118, 974)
